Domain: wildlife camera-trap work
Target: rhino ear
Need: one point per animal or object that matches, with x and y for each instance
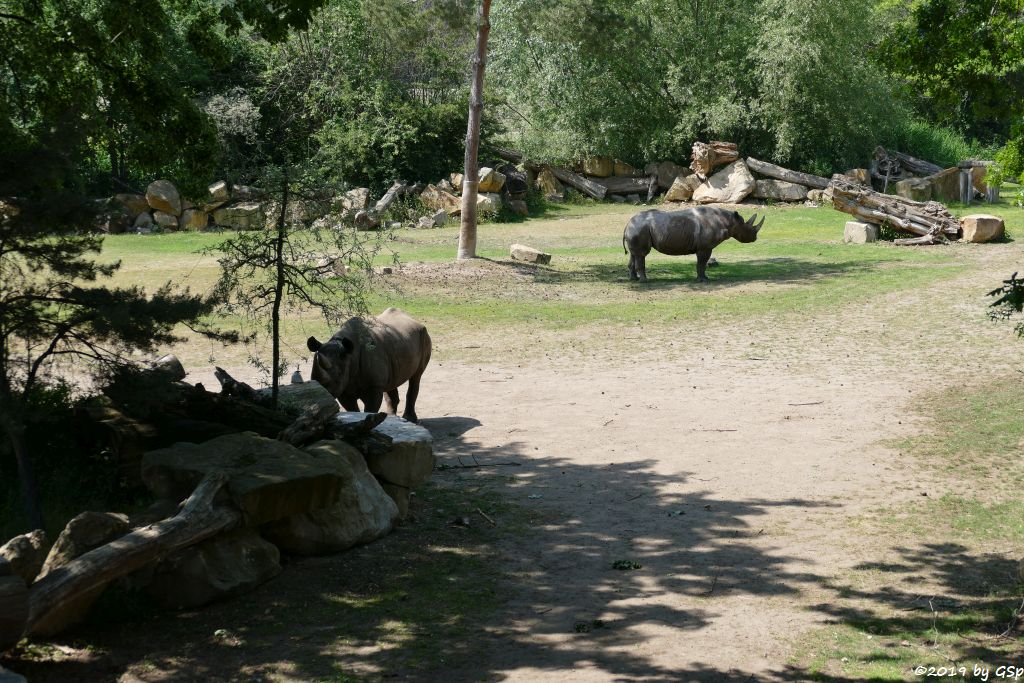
(347, 344)
(313, 345)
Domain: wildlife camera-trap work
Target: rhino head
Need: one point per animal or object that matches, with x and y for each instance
(745, 230)
(331, 363)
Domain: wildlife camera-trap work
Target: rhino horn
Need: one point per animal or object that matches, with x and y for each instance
(750, 223)
(313, 345)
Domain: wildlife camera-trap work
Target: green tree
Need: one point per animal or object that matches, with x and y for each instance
(960, 62)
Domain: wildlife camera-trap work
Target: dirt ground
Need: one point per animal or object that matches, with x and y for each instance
(726, 460)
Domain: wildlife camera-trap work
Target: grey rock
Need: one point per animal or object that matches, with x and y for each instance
(362, 513)
(780, 190)
(521, 252)
(267, 479)
(218, 568)
(410, 460)
(25, 554)
(857, 232)
(85, 532)
(162, 195)
(731, 185)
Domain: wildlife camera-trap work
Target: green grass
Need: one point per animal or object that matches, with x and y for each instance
(798, 266)
(948, 589)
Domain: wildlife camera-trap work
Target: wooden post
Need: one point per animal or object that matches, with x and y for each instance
(471, 176)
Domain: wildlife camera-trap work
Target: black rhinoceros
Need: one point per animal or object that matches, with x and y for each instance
(690, 231)
(367, 360)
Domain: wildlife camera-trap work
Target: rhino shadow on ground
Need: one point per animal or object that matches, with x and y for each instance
(673, 272)
(449, 597)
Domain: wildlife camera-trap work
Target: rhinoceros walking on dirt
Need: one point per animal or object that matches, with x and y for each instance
(368, 359)
(690, 231)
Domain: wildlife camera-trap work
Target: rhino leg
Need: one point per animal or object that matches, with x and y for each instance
(349, 404)
(410, 398)
(632, 268)
(640, 263)
(391, 400)
(372, 401)
(702, 264)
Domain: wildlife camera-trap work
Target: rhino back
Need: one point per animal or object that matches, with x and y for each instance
(690, 230)
(400, 350)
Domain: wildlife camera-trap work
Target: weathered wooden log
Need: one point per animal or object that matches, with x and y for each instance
(924, 240)
(312, 425)
(365, 426)
(397, 190)
(89, 574)
(779, 173)
(918, 167)
(239, 414)
(918, 218)
(709, 155)
(626, 184)
(14, 600)
(585, 185)
(229, 386)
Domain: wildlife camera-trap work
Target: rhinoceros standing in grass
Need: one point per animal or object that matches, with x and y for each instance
(367, 360)
(690, 231)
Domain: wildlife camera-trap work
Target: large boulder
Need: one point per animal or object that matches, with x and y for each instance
(244, 216)
(295, 398)
(621, 168)
(362, 513)
(980, 227)
(946, 185)
(731, 185)
(917, 189)
(861, 176)
(516, 181)
(217, 568)
(25, 554)
(667, 172)
(780, 191)
(132, 203)
(410, 459)
(550, 186)
(165, 221)
(162, 195)
(598, 166)
(194, 219)
(85, 532)
(682, 189)
(437, 199)
(354, 200)
(488, 202)
(521, 252)
(267, 479)
(490, 180)
(219, 192)
(143, 223)
(518, 207)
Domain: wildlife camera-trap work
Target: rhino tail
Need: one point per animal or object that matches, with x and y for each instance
(624, 250)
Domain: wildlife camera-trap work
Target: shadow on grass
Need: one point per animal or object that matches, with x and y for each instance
(449, 596)
(682, 272)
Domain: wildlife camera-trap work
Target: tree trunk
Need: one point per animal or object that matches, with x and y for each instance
(709, 155)
(780, 173)
(29, 493)
(278, 291)
(471, 176)
(924, 219)
(89, 574)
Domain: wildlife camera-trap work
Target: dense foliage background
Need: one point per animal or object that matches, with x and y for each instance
(375, 90)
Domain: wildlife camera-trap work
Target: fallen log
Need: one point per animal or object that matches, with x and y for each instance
(709, 155)
(891, 167)
(399, 189)
(924, 219)
(626, 184)
(313, 424)
(13, 610)
(779, 173)
(55, 601)
(586, 186)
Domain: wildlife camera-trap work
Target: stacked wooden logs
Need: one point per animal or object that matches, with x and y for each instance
(931, 222)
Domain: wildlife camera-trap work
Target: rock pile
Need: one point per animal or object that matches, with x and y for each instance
(344, 483)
